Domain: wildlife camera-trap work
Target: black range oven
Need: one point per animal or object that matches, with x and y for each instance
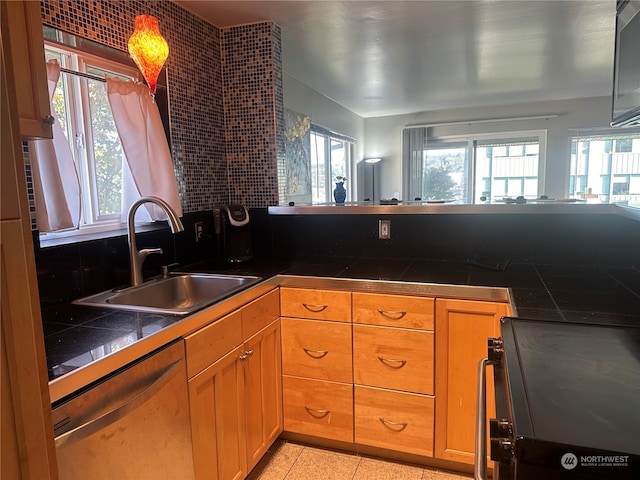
(567, 402)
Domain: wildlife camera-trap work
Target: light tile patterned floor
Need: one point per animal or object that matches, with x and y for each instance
(292, 461)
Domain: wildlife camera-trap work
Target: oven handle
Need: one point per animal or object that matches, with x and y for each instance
(480, 462)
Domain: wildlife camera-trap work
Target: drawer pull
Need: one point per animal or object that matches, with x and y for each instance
(395, 426)
(314, 308)
(315, 353)
(392, 362)
(314, 412)
(391, 315)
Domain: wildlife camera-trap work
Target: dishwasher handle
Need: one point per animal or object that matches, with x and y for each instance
(112, 416)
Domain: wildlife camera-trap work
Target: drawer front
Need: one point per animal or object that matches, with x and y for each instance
(211, 342)
(394, 420)
(393, 358)
(393, 310)
(317, 349)
(315, 304)
(260, 313)
(319, 408)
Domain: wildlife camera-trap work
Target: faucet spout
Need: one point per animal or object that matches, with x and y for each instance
(136, 258)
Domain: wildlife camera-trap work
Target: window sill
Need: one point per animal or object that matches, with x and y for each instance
(86, 237)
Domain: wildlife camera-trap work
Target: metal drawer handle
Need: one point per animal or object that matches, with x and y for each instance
(314, 308)
(394, 425)
(390, 362)
(391, 315)
(315, 413)
(315, 353)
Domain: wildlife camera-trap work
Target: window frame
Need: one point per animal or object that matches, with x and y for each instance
(329, 180)
(471, 141)
(79, 131)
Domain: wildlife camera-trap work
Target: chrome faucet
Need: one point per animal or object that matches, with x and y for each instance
(137, 257)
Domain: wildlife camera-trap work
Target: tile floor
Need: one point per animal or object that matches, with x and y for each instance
(293, 461)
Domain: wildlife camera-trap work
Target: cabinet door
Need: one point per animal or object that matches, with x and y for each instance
(263, 391)
(26, 56)
(462, 330)
(216, 400)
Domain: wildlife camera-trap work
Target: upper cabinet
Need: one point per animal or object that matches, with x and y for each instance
(26, 57)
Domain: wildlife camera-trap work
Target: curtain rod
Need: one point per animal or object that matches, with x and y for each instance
(85, 75)
(490, 120)
(92, 77)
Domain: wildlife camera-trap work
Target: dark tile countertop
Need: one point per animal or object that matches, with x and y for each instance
(77, 335)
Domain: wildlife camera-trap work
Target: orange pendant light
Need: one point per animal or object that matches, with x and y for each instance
(148, 49)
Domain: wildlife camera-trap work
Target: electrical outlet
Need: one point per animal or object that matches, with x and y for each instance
(384, 229)
(198, 230)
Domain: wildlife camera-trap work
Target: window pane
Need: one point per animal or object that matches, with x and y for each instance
(606, 165)
(509, 167)
(107, 152)
(444, 173)
(339, 162)
(318, 178)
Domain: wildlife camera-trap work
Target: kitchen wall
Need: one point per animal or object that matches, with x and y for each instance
(383, 134)
(225, 95)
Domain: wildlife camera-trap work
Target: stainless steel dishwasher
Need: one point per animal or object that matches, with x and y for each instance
(132, 425)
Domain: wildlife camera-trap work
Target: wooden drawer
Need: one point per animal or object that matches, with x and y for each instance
(260, 313)
(393, 310)
(211, 342)
(315, 304)
(317, 349)
(395, 420)
(393, 358)
(318, 407)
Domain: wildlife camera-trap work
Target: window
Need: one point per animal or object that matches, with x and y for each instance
(605, 166)
(83, 111)
(331, 157)
(481, 168)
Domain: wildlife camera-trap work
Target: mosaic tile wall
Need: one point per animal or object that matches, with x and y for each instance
(248, 72)
(200, 139)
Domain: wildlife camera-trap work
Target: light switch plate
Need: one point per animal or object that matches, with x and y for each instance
(384, 229)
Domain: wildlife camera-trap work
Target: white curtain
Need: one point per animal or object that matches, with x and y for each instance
(139, 126)
(55, 176)
(414, 142)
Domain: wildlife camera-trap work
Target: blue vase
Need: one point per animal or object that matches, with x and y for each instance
(340, 194)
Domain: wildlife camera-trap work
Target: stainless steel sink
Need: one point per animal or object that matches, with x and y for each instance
(179, 293)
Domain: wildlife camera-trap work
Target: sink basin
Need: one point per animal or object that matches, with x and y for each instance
(179, 293)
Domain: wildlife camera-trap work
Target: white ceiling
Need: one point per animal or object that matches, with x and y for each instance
(394, 57)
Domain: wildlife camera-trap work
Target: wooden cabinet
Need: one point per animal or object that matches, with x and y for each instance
(393, 343)
(235, 396)
(216, 401)
(315, 304)
(28, 449)
(26, 56)
(262, 391)
(318, 407)
(393, 310)
(317, 363)
(394, 358)
(317, 349)
(394, 420)
(462, 330)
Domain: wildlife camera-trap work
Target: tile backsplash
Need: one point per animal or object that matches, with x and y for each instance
(225, 144)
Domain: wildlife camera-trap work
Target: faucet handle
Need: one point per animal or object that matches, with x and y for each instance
(149, 251)
(165, 269)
